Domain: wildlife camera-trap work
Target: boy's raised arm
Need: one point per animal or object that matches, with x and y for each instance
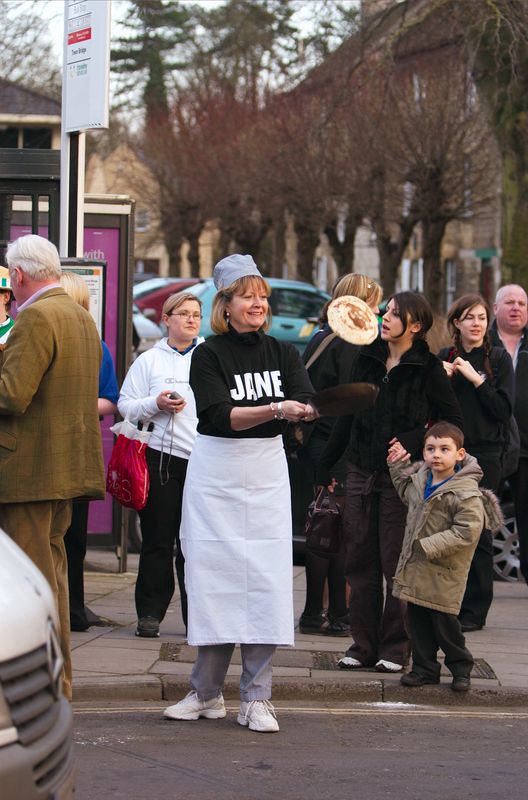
(398, 461)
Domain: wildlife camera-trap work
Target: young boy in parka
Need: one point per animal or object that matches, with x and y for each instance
(447, 512)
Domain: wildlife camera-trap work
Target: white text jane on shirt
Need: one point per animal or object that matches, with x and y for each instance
(252, 385)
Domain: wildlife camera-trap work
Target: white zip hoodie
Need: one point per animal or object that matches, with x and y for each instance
(158, 369)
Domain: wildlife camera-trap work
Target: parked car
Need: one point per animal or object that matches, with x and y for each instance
(506, 563)
(145, 332)
(150, 295)
(36, 721)
(296, 307)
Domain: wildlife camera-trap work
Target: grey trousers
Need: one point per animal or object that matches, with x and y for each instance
(210, 668)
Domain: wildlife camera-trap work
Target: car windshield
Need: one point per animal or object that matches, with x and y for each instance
(141, 289)
(295, 303)
(200, 289)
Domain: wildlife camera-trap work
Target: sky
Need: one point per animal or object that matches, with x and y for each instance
(53, 10)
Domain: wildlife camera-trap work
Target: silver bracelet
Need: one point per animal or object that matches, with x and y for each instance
(277, 411)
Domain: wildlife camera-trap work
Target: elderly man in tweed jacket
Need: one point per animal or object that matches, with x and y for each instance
(50, 440)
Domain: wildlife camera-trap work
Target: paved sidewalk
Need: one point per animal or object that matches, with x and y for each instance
(110, 663)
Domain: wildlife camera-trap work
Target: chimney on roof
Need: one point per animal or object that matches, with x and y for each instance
(369, 8)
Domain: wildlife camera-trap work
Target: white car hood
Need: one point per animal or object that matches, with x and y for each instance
(26, 602)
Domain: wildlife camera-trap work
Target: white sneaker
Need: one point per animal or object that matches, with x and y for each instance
(347, 662)
(191, 707)
(259, 715)
(388, 666)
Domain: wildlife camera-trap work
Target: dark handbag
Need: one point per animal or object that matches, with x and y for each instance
(323, 527)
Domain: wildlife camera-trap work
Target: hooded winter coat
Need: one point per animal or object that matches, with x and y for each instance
(441, 533)
(411, 395)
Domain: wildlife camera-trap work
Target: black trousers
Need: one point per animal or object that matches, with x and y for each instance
(479, 589)
(519, 485)
(319, 569)
(431, 630)
(160, 530)
(374, 528)
(75, 540)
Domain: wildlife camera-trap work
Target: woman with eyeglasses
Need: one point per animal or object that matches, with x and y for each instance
(157, 390)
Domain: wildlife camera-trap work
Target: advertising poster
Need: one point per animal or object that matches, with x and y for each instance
(102, 244)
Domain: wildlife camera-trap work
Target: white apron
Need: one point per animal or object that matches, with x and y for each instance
(236, 537)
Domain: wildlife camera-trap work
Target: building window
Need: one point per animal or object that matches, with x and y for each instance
(450, 281)
(37, 138)
(142, 220)
(416, 275)
(9, 137)
(147, 266)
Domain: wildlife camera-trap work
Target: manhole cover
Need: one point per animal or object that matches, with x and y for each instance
(481, 669)
(324, 660)
(169, 652)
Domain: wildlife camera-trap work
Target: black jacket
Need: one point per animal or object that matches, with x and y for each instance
(414, 393)
(520, 408)
(486, 409)
(332, 368)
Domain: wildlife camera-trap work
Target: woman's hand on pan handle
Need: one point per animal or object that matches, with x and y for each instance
(295, 412)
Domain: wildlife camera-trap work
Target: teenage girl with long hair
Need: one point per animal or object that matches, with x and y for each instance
(483, 380)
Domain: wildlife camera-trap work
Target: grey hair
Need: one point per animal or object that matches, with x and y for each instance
(35, 256)
(504, 289)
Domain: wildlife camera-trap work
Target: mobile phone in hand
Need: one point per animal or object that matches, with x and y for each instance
(175, 396)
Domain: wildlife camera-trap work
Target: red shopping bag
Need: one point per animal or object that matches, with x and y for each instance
(127, 477)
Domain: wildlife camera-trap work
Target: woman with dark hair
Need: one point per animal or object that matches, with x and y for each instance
(483, 380)
(413, 389)
(330, 367)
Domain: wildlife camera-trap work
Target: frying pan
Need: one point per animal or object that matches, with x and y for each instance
(348, 398)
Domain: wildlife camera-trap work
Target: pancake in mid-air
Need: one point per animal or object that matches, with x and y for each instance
(352, 320)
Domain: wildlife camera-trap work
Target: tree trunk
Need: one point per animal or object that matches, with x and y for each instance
(194, 254)
(515, 217)
(307, 242)
(388, 266)
(391, 251)
(278, 248)
(433, 233)
(343, 252)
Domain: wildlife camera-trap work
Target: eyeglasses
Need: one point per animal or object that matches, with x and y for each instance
(196, 316)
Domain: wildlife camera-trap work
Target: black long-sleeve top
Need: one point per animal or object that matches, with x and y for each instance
(248, 369)
(520, 408)
(488, 407)
(411, 395)
(332, 368)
